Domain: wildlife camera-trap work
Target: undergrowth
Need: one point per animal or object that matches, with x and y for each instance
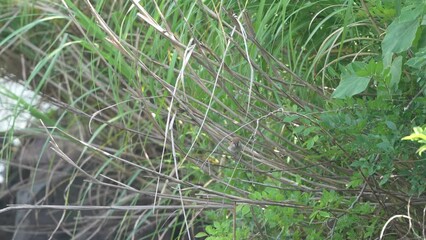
(319, 94)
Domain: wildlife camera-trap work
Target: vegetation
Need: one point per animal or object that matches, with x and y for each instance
(320, 93)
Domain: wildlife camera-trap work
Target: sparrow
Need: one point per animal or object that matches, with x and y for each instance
(235, 145)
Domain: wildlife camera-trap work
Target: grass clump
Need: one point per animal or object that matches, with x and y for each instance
(317, 92)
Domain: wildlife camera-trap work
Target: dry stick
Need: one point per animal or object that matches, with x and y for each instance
(169, 127)
(177, 176)
(215, 193)
(268, 55)
(235, 169)
(140, 62)
(244, 35)
(147, 18)
(354, 55)
(117, 42)
(338, 32)
(411, 101)
(251, 80)
(101, 110)
(375, 192)
(350, 207)
(187, 56)
(251, 139)
(234, 222)
(61, 220)
(90, 208)
(304, 116)
(373, 21)
(257, 223)
(230, 197)
(393, 217)
(252, 34)
(299, 102)
(230, 134)
(205, 62)
(23, 218)
(74, 110)
(210, 100)
(410, 226)
(172, 197)
(424, 223)
(241, 127)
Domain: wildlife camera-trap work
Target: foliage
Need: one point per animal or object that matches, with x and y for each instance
(320, 94)
(419, 135)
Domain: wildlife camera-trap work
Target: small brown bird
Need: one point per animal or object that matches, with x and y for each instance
(235, 145)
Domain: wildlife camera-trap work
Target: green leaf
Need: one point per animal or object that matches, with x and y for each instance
(353, 81)
(391, 125)
(210, 230)
(243, 208)
(421, 149)
(419, 135)
(359, 163)
(396, 69)
(385, 179)
(201, 234)
(290, 118)
(298, 179)
(355, 182)
(324, 214)
(299, 129)
(419, 59)
(419, 130)
(401, 32)
(311, 142)
(217, 225)
(415, 136)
